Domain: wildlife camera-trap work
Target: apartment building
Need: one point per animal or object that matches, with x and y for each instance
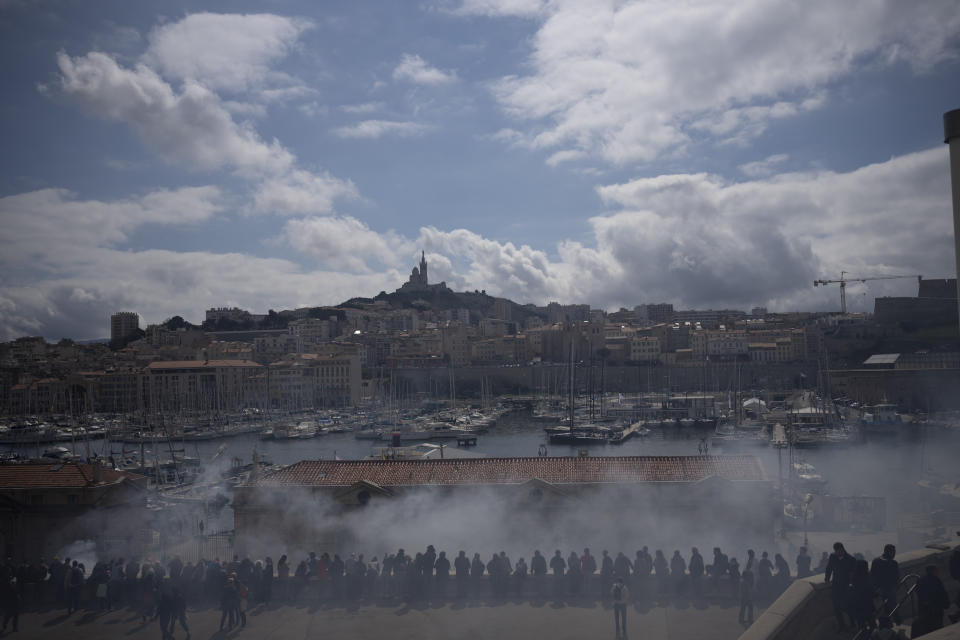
(203, 385)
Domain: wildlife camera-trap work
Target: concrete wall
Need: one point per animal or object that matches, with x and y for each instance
(805, 609)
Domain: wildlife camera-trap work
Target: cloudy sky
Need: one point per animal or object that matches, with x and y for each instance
(166, 157)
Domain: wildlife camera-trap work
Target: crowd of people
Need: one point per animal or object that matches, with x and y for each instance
(162, 592)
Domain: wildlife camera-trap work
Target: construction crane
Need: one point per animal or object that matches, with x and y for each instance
(844, 280)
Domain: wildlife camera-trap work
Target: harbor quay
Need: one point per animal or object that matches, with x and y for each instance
(475, 620)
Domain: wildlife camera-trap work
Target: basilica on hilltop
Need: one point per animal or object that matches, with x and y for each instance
(418, 279)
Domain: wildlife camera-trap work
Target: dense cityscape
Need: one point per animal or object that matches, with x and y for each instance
(481, 319)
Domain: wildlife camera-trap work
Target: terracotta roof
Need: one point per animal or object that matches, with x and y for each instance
(594, 469)
(69, 475)
(202, 364)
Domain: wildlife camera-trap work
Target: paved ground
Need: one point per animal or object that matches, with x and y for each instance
(397, 622)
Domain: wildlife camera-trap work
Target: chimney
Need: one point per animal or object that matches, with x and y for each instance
(951, 136)
(97, 471)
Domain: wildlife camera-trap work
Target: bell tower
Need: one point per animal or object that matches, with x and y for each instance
(423, 268)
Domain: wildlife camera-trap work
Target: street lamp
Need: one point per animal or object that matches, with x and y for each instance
(807, 499)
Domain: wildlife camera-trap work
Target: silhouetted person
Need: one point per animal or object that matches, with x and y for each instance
(838, 573)
(678, 571)
(230, 602)
(476, 573)
(494, 571)
(558, 565)
(461, 567)
(178, 611)
(588, 566)
(733, 568)
(746, 597)
(932, 601)
(606, 574)
(861, 596)
(11, 601)
(719, 567)
(76, 586)
(885, 575)
(803, 563)
(660, 567)
(622, 566)
(574, 575)
(696, 569)
(520, 575)
(442, 567)
(620, 596)
(782, 577)
(538, 567)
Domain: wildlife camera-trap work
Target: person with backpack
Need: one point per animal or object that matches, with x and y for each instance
(620, 595)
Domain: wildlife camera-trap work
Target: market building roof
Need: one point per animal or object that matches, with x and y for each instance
(61, 475)
(555, 470)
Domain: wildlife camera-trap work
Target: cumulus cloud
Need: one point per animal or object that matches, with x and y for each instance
(765, 167)
(629, 81)
(413, 68)
(516, 8)
(226, 51)
(696, 240)
(70, 260)
(56, 218)
(298, 192)
(194, 128)
(347, 244)
(378, 128)
(191, 127)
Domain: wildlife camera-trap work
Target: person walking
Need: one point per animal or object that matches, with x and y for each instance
(885, 575)
(620, 596)
(178, 611)
(838, 573)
